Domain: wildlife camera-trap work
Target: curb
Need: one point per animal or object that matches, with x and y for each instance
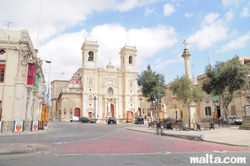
(21, 148)
(47, 129)
(186, 136)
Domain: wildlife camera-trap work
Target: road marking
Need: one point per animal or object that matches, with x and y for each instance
(113, 154)
(88, 139)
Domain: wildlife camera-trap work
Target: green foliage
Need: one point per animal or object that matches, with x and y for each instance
(152, 85)
(184, 90)
(225, 78)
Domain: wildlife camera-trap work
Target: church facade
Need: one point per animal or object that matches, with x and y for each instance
(97, 92)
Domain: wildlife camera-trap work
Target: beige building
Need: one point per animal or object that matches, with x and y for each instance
(209, 106)
(97, 92)
(21, 79)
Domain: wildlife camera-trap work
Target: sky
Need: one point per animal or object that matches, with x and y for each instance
(215, 30)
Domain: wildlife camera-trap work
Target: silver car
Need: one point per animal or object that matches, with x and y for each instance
(234, 120)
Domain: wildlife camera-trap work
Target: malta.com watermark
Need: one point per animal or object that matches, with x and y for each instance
(210, 159)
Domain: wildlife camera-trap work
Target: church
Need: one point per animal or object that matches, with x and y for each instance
(97, 92)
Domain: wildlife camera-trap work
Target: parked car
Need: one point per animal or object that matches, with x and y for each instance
(233, 120)
(87, 120)
(139, 120)
(111, 120)
(74, 119)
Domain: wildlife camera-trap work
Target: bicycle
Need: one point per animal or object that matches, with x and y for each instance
(159, 129)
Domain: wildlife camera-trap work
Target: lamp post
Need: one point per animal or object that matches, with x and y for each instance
(48, 97)
(95, 98)
(48, 78)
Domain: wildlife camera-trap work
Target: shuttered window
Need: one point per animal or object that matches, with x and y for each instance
(208, 111)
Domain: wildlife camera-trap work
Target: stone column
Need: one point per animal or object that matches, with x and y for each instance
(186, 55)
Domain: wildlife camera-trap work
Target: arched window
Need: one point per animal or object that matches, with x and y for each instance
(110, 91)
(130, 60)
(91, 56)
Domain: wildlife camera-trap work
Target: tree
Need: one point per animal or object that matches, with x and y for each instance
(224, 79)
(152, 85)
(184, 90)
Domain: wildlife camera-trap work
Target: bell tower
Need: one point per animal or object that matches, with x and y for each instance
(89, 54)
(128, 58)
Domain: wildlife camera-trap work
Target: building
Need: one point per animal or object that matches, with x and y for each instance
(97, 92)
(22, 81)
(209, 106)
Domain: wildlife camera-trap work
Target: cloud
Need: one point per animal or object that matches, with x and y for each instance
(229, 15)
(66, 55)
(245, 12)
(188, 15)
(58, 15)
(125, 5)
(148, 11)
(168, 9)
(231, 3)
(212, 30)
(240, 42)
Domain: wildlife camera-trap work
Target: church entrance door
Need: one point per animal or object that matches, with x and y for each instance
(112, 110)
(90, 114)
(77, 112)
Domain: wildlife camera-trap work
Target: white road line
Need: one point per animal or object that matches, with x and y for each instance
(88, 139)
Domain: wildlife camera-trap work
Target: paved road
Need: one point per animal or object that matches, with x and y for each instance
(101, 144)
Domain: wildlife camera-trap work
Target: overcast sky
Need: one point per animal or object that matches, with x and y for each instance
(216, 30)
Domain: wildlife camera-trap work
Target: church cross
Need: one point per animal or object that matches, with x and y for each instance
(185, 43)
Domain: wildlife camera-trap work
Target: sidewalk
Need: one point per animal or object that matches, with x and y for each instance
(16, 148)
(226, 135)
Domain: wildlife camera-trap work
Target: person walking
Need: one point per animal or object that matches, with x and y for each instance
(219, 121)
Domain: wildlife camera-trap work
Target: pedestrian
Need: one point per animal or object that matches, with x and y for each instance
(220, 121)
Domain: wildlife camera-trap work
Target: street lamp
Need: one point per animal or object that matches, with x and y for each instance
(95, 98)
(48, 78)
(140, 105)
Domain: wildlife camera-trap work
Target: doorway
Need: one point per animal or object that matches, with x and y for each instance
(77, 112)
(112, 110)
(218, 111)
(90, 114)
(139, 111)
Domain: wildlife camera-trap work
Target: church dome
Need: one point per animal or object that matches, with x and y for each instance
(75, 81)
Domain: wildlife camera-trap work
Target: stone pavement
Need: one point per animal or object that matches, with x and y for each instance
(226, 135)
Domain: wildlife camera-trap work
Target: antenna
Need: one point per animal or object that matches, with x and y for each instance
(8, 23)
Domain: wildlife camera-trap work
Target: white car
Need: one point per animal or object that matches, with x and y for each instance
(74, 119)
(234, 120)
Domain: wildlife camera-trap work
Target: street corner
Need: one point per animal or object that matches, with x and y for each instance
(17, 148)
